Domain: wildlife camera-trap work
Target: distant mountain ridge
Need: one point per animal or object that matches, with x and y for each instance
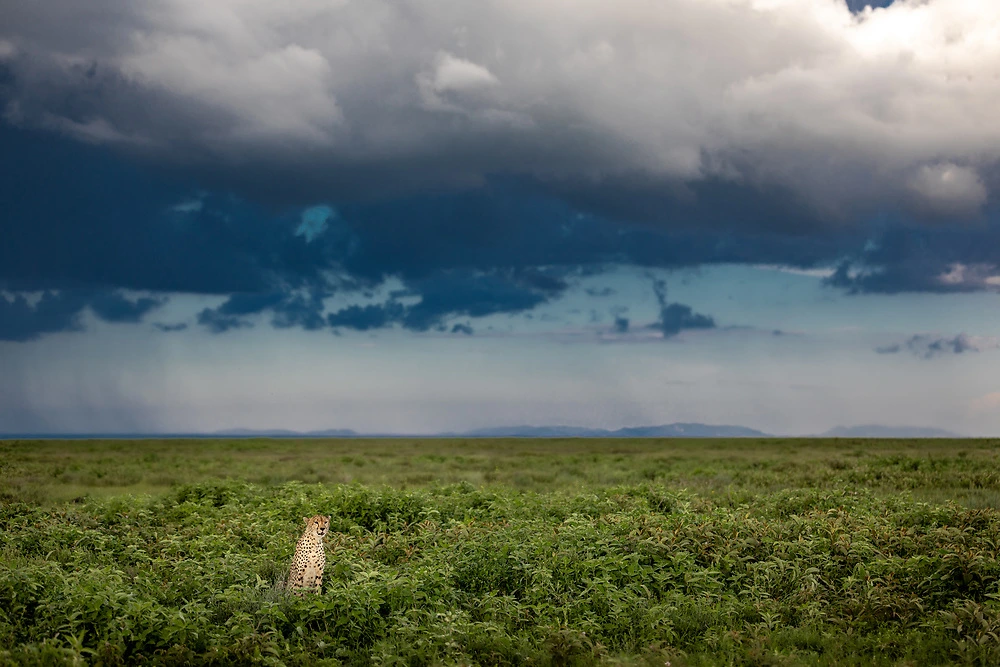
(680, 430)
(676, 430)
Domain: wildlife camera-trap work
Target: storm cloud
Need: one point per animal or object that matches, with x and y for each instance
(451, 294)
(483, 157)
(23, 318)
(677, 317)
(846, 110)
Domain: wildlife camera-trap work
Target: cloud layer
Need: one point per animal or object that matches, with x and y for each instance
(892, 105)
(23, 319)
(482, 156)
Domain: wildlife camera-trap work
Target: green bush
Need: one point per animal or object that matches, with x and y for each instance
(451, 575)
(642, 573)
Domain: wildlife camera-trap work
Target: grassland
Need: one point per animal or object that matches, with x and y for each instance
(680, 552)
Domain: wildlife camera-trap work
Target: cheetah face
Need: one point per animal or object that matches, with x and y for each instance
(319, 523)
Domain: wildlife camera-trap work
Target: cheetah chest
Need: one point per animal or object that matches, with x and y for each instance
(308, 563)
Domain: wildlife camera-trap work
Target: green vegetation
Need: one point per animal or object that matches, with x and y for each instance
(567, 552)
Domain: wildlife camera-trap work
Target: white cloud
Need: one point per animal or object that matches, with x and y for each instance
(794, 270)
(849, 111)
(276, 92)
(949, 189)
(453, 73)
(971, 276)
(452, 85)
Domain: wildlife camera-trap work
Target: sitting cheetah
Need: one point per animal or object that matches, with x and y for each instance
(309, 559)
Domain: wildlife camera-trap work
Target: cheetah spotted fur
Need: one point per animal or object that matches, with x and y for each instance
(310, 558)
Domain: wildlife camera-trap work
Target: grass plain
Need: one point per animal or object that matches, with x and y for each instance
(541, 552)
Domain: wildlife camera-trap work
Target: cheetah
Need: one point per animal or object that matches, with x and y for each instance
(309, 559)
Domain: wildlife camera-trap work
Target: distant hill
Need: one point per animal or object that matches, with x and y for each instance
(662, 431)
(878, 431)
(677, 430)
(689, 431)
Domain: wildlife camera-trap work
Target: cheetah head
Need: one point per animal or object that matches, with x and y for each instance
(319, 524)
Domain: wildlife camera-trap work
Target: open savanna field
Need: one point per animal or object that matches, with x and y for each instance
(541, 552)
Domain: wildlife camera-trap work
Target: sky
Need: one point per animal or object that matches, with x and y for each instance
(415, 216)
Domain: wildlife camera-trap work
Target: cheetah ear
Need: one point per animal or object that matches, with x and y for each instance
(305, 520)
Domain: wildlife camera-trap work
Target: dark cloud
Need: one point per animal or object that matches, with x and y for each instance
(956, 345)
(167, 328)
(928, 346)
(114, 307)
(23, 319)
(219, 323)
(479, 295)
(717, 204)
(232, 313)
(505, 246)
(155, 234)
(288, 310)
(621, 324)
(302, 311)
(451, 294)
(911, 275)
(943, 259)
(677, 317)
(462, 329)
(365, 318)
(112, 224)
